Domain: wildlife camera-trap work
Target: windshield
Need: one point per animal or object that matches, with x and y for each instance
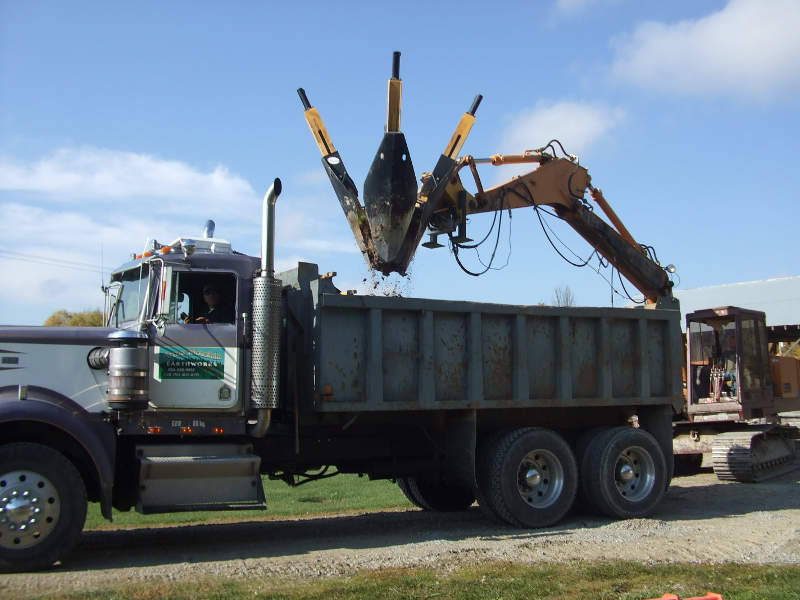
(713, 361)
(130, 296)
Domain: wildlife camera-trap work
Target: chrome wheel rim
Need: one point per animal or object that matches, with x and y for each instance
(29, 509)
(634, 473)
(540, 478)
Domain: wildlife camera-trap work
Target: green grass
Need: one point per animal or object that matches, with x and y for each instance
(596, 581)
(343, 493)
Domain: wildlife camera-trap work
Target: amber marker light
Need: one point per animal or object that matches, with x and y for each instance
(154, 430)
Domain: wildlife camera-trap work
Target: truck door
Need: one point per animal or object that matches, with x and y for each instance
(194, 352)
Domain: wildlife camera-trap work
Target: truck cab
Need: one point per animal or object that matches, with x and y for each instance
(197, 357)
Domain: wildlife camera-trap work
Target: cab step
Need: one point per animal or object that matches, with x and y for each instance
(184, 477)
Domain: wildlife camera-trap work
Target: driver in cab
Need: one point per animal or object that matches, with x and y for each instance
(219, 311)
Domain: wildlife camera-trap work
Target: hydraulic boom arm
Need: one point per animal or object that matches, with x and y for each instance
(561, 184)
(395, 215)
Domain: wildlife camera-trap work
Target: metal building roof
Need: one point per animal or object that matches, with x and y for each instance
(779, 298)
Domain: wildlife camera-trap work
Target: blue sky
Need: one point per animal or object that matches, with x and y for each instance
(123, 122)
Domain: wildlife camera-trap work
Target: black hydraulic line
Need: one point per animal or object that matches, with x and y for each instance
(488, 233)
(541, 222)
(494, 250)
(624, 289)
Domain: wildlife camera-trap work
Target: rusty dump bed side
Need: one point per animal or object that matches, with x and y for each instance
(388, 353)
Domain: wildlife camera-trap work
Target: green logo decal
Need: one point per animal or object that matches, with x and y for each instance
(190, 363)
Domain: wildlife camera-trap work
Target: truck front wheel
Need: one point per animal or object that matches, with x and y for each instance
(527, 477)
(42, 506)
(623, 473)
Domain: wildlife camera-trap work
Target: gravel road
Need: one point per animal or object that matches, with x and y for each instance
(700, 520)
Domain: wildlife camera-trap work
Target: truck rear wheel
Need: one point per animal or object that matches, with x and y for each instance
(623, 473)
(42, 506)
(527, 477)
(436, 496)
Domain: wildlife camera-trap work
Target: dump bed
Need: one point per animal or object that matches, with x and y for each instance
(387, 353)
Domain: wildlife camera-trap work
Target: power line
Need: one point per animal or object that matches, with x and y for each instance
(52, 261)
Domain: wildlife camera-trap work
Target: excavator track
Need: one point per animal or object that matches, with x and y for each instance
(756, 454)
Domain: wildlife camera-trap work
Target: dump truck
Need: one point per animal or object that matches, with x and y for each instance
(452, 399)
(213, 372)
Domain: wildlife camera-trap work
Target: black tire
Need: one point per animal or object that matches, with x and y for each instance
(402, 483)
(483, 460)
(581, 445)
(687, 464)
(44, 502)
(623, 473)
(436, 496)
(527, 477)
(585, 440)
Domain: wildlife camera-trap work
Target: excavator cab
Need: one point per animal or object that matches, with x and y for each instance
(728, 366)
(731, 402)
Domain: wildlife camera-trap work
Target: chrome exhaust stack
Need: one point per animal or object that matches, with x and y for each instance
(266, 330)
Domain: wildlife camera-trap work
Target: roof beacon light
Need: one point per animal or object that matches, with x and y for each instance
(188, 248)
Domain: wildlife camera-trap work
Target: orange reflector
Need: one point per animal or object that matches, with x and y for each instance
(219, 430)
(166, 249)
(138, 256)
(327, 390)
(154, 430)
(186, 430)
(146, 254)
(708, 596)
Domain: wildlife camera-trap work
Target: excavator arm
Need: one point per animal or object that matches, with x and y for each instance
(390, 224)
(559, 183)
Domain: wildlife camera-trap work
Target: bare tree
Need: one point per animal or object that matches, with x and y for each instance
(563, 296)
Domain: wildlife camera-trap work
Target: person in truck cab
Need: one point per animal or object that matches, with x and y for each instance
(219, 311)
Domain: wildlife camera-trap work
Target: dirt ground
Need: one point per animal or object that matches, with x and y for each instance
(700, 520)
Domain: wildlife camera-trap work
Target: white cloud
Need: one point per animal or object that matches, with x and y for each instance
(59, 210)
(98, 174)
(53, 259)
(577, 125)
(313, 223)
(749, 48)
(314, 178)
(289, 262)
(320, 245)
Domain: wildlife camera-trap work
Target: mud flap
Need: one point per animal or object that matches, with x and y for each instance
(458, 447)
(657, 420)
